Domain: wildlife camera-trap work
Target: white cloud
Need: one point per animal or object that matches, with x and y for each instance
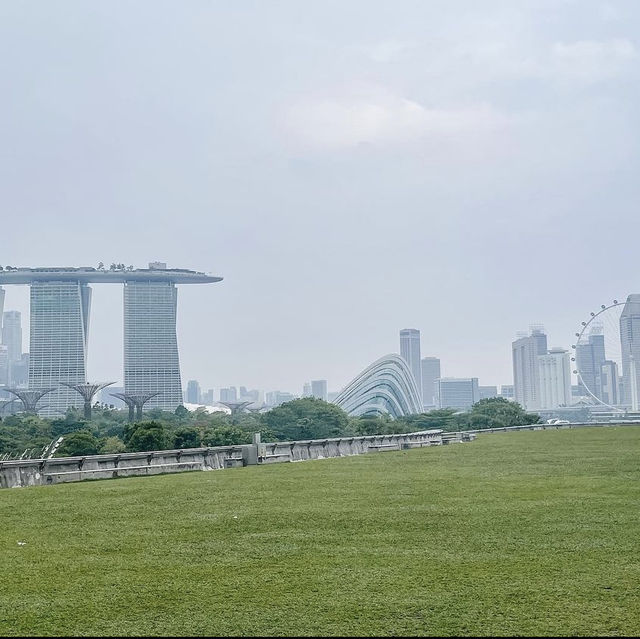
(379, 118)
(388, 50)
(592, 60)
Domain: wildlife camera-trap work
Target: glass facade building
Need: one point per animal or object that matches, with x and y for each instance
(387, 387)
(151, 363)
(58, 341)
(410, 352)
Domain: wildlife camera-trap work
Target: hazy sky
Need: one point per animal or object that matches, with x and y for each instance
(350, 168)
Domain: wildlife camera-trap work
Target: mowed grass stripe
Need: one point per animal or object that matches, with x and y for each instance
(518, 533)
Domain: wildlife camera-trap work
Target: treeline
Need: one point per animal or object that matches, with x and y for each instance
(307, 418)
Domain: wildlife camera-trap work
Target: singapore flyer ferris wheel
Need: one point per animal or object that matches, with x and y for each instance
(603, 356)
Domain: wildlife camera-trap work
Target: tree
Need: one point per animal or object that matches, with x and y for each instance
(496, 412)
(225, 436)
(182, 413)
(146, 436)
(111, 445)
(186, 438)
(78, 444)
(306, 418)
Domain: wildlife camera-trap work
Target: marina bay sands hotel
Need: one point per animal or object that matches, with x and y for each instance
(59, 328)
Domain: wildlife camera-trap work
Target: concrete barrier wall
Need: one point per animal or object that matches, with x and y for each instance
(34, 472)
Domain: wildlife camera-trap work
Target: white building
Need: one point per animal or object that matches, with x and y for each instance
(554, 379)
(526, 377)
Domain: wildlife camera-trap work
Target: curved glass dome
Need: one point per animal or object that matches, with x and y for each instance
(387, 387)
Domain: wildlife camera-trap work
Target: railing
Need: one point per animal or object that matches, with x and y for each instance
(32, 472)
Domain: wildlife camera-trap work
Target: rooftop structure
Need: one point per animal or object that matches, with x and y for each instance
(89, 274)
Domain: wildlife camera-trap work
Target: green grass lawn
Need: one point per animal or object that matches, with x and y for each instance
(520, 533)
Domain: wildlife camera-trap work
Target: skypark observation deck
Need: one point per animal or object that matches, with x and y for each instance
(87, 274)
(60, 310)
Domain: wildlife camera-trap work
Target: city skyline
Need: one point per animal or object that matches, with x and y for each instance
(148, 147)
(332, 388)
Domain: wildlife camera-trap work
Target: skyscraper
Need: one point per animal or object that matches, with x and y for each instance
(58, 341)
(609, 383)
(229, 394)
(4, 366)
(555, 379)
(430, 373)
(526, 378)
(630, 345)
(151, 361)
(590, 356)
(193, 392)
(319, 389)
(12, 334)
(410, 352)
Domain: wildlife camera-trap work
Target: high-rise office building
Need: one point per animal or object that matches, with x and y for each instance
(207, 397)
(306, 390)
(410, 352)
(590, 355)
(4, 366)
(193, 392)
(630, 345)
(555, 379)
(58, 341)
(457, 392)
(319, 389)
(19, 372)
(430, 373)
(609, 383)
(229, 394)
(12, 334)
(526, 377)
(151, 361)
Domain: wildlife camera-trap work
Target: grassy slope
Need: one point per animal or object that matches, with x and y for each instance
(519, 533)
